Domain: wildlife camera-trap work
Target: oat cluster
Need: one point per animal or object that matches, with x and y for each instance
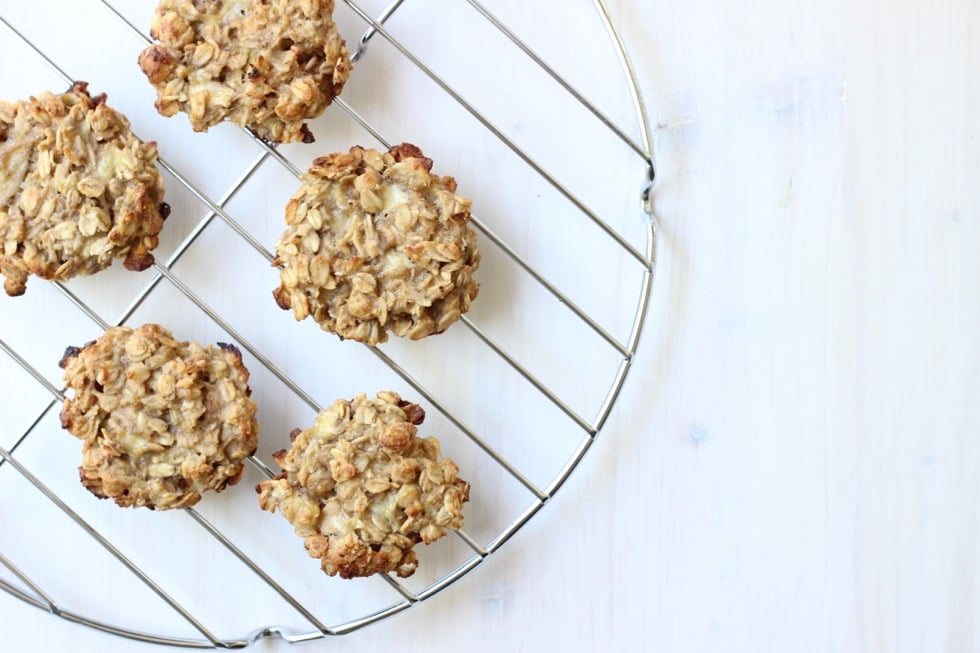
(265, 64)
(376, 243)
(77, 189)
(362, 489)
(161, 421)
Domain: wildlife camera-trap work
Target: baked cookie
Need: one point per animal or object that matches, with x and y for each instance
(375, 243)
(363, 490)
(268, 65)
(77, 189)
(161, 421)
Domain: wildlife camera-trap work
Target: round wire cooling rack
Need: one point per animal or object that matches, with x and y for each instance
(508, 389)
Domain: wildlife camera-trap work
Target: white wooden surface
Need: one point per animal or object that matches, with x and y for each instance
(793, 463)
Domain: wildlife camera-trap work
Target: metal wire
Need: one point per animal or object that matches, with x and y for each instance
(35, 595)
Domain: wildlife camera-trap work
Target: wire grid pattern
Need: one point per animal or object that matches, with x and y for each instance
(32, 593)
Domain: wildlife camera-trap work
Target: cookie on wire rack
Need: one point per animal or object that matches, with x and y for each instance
(77, 189)
(376, 243)
(268, 65)
(161, 421)
(362, 489)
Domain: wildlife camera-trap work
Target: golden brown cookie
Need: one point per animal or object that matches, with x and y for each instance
(363, 490)
(161, 421)
(77, 189)
(376, 243)
(268, 65)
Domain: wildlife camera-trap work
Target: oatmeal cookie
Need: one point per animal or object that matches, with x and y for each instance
(363, 490)
(77, 189)
(375, 243)
(161, 421)
(268, 65)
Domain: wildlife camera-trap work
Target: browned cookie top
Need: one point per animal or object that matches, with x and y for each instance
(376, 243)
(77, 189)
(161, 421)
(268, 65)
(362, 489)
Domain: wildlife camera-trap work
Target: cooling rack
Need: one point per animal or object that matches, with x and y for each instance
(560, 170)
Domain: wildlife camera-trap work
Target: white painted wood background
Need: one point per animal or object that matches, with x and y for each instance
(793, 463)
